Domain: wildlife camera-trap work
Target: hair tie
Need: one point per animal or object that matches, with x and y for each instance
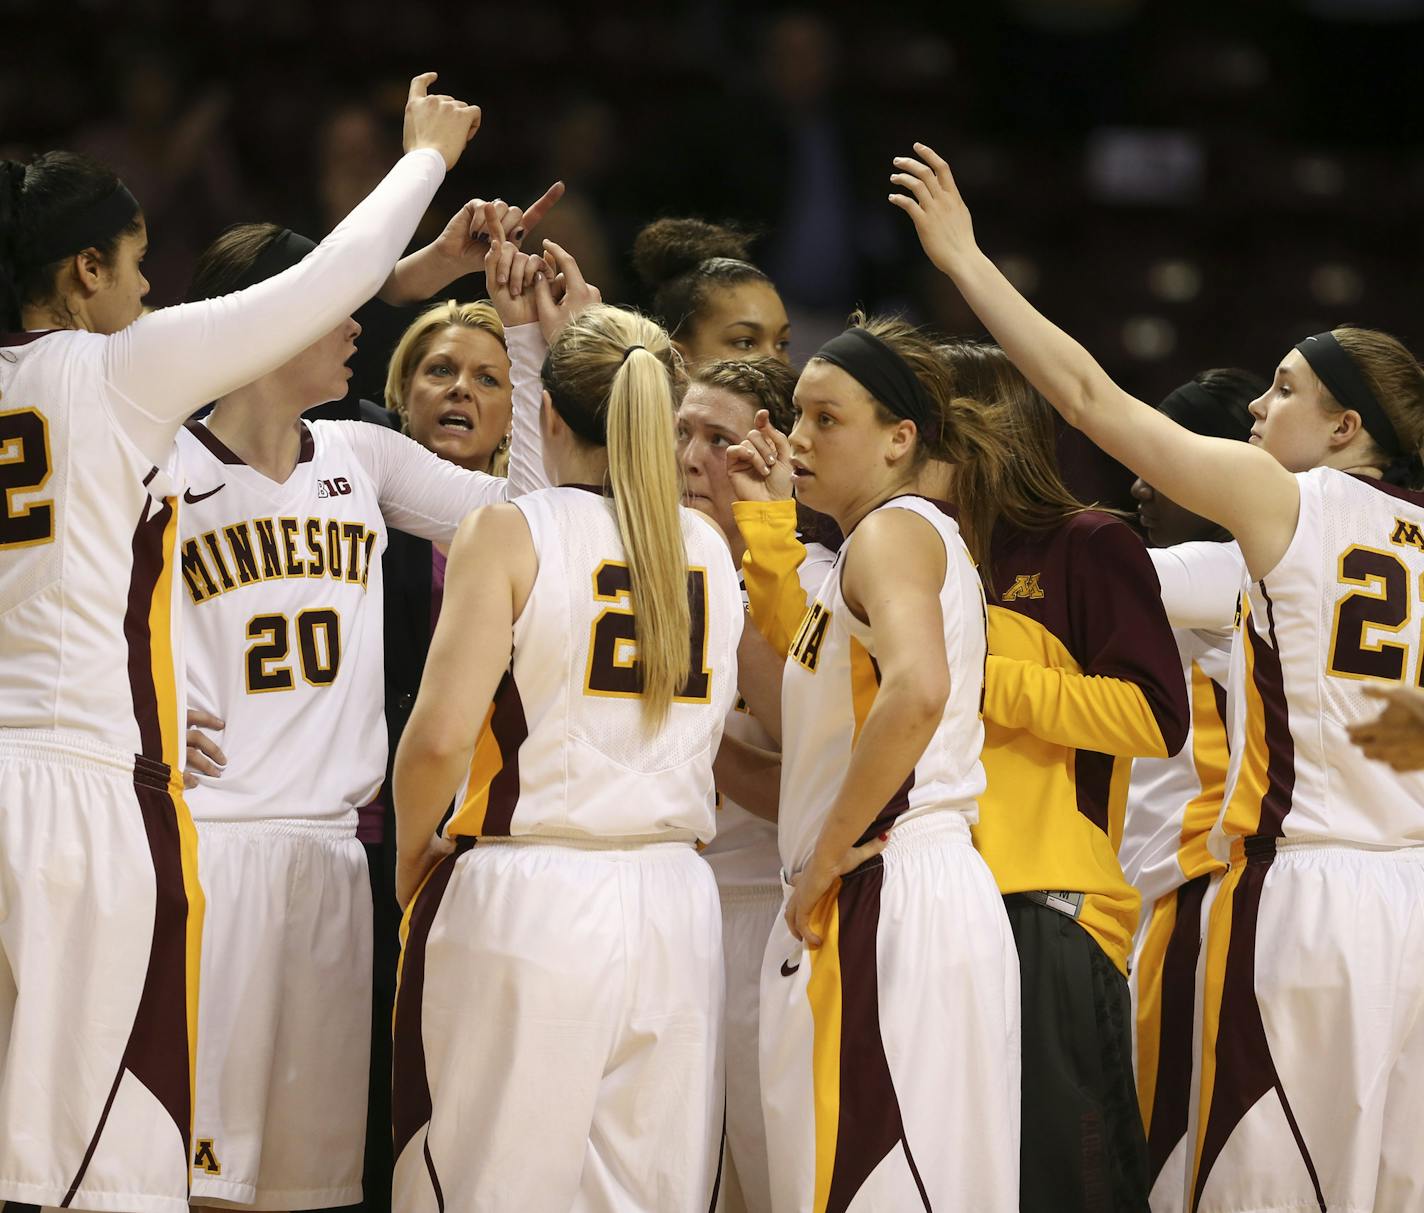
(630, 349)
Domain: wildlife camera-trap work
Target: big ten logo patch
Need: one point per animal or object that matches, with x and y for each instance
(337, 486)
(205, 1158)
(810, 636)
(1025, 586)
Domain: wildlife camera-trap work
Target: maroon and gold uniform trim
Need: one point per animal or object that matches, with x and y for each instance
(492, 791)
(858, 1119)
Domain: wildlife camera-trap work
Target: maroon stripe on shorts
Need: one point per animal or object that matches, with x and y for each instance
(411, 1104)
(148, 563)
(1280, 747)
(1172, 1099)
(1245, 1069)
(157, 1053)
(870, 1123)
(510, 730)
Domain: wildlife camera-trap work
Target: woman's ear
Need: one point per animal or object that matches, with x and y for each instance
(90, 272)
(1347, 425)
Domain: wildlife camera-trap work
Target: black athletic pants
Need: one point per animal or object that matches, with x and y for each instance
(1083, 1148)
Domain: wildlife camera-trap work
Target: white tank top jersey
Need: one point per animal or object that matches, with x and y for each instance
(88, 515)
(283, 609)
(1340, 612)
(744, 854)
(830, 685)
(565, 751)
(1173, 803)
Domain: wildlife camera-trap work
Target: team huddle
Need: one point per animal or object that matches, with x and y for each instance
(787, 794)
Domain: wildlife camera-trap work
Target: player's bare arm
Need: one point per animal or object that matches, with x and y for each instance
(491, 569)
(1239, 486)
(892, 578)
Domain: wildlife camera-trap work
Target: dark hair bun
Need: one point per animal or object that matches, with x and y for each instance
(668, 248)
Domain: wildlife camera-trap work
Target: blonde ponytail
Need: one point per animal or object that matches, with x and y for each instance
(642, 468)
(614, 370)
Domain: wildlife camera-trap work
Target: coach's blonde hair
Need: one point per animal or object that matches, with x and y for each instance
(616, 372)
(410, 349)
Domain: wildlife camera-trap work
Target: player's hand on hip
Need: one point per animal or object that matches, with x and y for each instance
(411, 870)
(813, 890)
(205, 757)
(438, 121)
(932, 200)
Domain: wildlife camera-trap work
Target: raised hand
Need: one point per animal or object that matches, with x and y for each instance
(932, 200)
(562, 293)
(759, 467)
(510, 275)
(438, 121)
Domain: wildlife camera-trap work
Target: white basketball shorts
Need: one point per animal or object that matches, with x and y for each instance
(100, 921)
(284, 1026)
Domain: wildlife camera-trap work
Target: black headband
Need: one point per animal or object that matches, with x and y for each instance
(87, 227)
(285, 251)
(1335, 368)
(886, 376)
(1202, 411)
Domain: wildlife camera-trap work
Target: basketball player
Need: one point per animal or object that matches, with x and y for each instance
(281, 541)
(103, 912)
(719, 407)
(1312, 1021)
(1173, 802)
(559, 1016)
(889, 999)
(714, 301)
(1077, 681)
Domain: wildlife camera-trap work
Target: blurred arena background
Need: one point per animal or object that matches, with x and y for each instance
(1180, 184)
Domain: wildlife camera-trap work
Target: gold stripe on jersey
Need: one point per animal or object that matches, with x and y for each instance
(1243, 811)
(823, 992)
(272, 549)
(864, 686)
(486, 763)
(1218, 939)
(160, 633)
(1211, 755)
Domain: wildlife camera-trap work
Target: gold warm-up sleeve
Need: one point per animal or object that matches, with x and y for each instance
(774, 553)
(1079, 711)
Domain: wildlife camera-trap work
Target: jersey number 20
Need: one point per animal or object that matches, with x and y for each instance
(318, 650)
(613, 646)
(24, 468)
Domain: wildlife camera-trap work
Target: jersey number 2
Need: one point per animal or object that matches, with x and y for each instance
(613, 646)
(1382, 602)
(24, 468)
(318, 650)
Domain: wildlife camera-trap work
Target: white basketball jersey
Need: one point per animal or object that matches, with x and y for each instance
(1340, 612)
(282, 602)
(87, 539)
(830, 684)
(565, 751)
(744, 852)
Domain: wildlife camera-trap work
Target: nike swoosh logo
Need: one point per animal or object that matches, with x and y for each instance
(787, 968)
(192, 499)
